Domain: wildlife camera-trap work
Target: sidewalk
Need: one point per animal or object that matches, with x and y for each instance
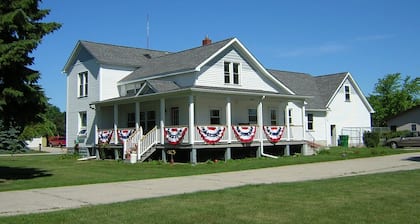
(59, 198)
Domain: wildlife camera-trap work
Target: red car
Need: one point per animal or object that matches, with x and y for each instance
(57, 141)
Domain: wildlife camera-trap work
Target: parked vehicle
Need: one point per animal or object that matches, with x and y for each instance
(59, 141)
(411, 139)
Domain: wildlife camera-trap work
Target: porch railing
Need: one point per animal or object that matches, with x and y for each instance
(148, 141)
(132, 142)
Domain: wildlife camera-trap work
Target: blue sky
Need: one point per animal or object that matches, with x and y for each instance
(368, 38)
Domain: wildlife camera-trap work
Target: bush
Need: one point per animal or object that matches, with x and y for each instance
(371, 139)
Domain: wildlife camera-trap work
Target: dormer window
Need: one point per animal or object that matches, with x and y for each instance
(347, 93)
(231, 72)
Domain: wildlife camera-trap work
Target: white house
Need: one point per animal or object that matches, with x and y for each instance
(216, 98)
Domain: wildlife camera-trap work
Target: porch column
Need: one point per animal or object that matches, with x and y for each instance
(229, 119)
(286, 115)
(115, 123)
(191, 130)
(97, 119)
(303, 120)
(137, 115)
(260, 126)
(162, 121)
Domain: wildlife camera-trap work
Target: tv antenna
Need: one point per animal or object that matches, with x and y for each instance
(147, 31)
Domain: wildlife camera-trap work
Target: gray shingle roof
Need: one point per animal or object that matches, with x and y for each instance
(160, 86)
(321, 87)
(120, 55)
(176, 62)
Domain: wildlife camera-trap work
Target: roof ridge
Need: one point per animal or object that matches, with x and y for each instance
(122, 46)
(338, 73)
(194, 48)
(277, 70)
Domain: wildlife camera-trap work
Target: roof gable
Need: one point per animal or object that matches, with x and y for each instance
(179, 62)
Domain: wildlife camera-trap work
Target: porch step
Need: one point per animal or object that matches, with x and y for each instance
(147, 154)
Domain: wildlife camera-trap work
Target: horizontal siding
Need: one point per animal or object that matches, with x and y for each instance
(109, 77)
(213, 74)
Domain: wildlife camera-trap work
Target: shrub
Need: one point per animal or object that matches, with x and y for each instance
(371, 139)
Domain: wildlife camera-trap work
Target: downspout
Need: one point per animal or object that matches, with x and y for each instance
(261, 132)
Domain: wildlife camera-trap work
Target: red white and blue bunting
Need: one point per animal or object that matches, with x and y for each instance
(175, 135)
(104, 136)
(211, 134)
(274, 133)
(244, 134)
(124, 134)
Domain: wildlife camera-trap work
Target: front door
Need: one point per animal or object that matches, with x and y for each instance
(333, 135)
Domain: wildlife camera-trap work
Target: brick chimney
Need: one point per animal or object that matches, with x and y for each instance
(206, 41)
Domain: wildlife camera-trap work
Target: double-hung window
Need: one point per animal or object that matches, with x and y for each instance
(82, 120)
(310, 122)
(347, 93)
(83, 84)
(214, 116)
(273, 117)
(252, 116)
(231, 73)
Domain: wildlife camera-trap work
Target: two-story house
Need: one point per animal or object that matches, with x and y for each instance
(210, 100)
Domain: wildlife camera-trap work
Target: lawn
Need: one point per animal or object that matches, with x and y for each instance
(28, 172)
(379, 198)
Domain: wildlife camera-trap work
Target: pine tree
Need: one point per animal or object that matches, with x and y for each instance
(22, 99)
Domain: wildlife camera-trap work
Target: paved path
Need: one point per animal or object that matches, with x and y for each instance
(58, 198)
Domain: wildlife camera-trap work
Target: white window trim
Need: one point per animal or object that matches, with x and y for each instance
(83, 84)
(231, 74)
(81, 126)
(220, 112)
(345, 93)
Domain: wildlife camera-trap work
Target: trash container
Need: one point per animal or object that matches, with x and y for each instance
(344, 141)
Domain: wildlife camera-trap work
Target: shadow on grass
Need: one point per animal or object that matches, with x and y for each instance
(17, 173)
(414, 158)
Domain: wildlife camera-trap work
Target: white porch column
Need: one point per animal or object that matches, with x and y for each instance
(303, 120)
(191, 119)
(97, 119)
(286, 115)
(229, 119)
(260, 126)
(162, 121)
(137, 115)
(115, 123)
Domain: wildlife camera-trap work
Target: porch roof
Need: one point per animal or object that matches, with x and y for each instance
(199, 89)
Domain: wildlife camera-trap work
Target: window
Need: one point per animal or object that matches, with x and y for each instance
(175, 115)
(235, 73)
(143, 120)
(290, 116)
(347, 93)
(131, 120)
(82, 120)
(83, 84)
(252, 116)
(227, 72)
(273, 117)
(413, 127)
(310, 122)
(231, 72)
(214, 116)
(151, 120)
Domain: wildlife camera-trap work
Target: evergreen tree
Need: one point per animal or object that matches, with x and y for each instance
(22, 99)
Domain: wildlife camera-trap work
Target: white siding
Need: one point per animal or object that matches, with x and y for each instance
(213, 74)
(344, 113)
(109, 77)
(75, 105)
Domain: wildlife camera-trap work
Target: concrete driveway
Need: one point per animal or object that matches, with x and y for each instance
(59, 198)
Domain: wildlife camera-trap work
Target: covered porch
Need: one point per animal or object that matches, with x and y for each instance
(202, 120)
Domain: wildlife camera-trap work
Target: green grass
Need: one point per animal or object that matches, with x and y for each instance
(380, 198)
(28, 172)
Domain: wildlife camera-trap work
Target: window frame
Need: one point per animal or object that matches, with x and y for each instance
(273, 120)
(83, 84)
(290, 116)
(232, 72)
(251, 115)
(347, 93)
(311, 122)
(212, 116)
(82, 120)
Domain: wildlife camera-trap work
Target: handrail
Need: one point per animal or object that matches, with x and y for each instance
(147, 141)
(131, 142)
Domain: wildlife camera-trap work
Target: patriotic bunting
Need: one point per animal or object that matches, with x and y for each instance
(274, 133)
(105, 136)
(175, 135)
(123, 134)
(211, 134)
(244, 134)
